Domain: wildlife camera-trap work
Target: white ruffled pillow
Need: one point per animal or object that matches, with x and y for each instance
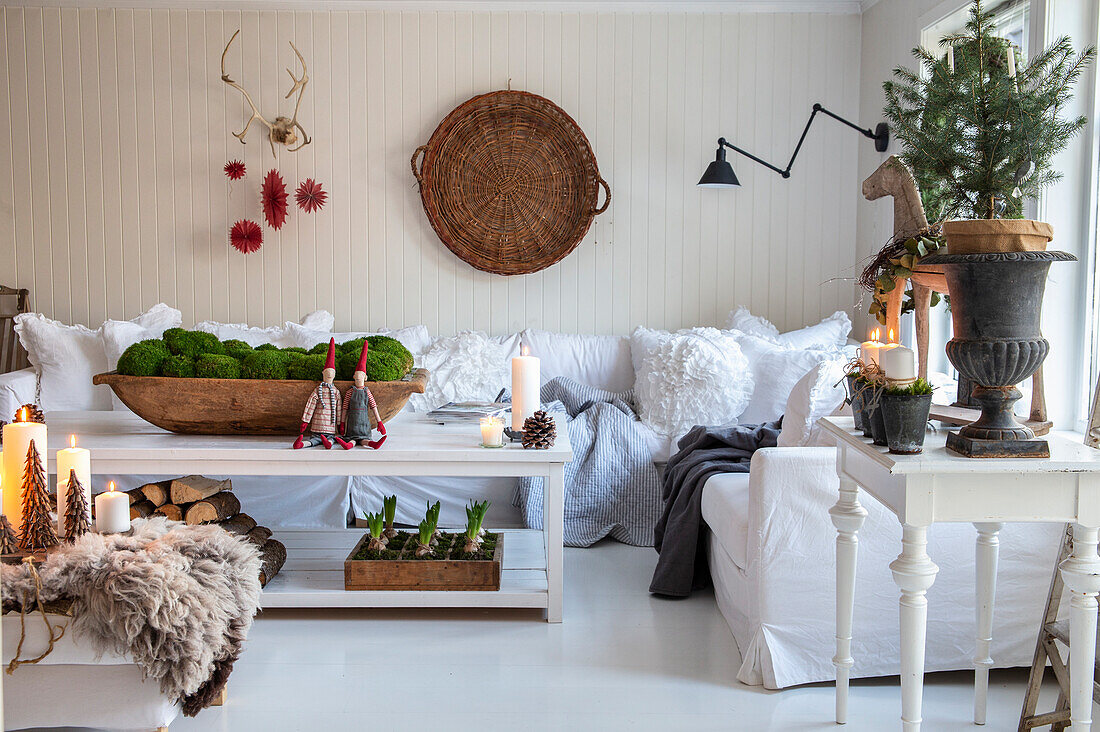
(817, 394)
(468, 367)
(282, 336)
(776, 369)
(65, 357)
(831, 332)
(690, 377)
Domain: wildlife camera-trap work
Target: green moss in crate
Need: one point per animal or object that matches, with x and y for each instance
(265, 364)
(192, 343)
(306, 367)
(237, 349)
(178, 367)
(143, 358)
(394, 347)
(217, 366)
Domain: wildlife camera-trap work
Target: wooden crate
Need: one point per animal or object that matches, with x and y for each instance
(423, 574)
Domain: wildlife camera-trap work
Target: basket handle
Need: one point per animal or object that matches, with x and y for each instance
(607, 198)
(412, 163)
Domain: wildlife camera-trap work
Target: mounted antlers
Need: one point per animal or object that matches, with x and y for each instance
(282, 129)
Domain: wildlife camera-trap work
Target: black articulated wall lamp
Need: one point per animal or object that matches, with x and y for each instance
(719, 173)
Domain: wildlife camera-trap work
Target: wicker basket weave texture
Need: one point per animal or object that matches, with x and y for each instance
(509, 182)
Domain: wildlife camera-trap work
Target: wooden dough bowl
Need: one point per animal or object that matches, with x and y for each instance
(240, 406)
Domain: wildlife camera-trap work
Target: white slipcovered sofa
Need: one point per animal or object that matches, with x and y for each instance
(770, 541)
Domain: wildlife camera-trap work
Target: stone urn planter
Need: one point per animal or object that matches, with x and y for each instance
(996, 304)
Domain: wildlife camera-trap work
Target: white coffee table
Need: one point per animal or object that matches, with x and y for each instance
(940, 486)
(531, 577)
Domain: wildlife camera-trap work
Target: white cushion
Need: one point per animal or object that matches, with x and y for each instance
(415, 338)
(831, 332)
(471, 366)
(66, 357)
(118, 335)
(817, 394)
(776, 369)
(690, 377)
(282, 336)
(725, 507)
(597, 360)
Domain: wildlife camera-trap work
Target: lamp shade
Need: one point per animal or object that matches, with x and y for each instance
(719, 174)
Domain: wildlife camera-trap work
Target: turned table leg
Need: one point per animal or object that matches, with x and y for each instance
(1081, 575)
(914, 573)
(848, 516)
(985, 562)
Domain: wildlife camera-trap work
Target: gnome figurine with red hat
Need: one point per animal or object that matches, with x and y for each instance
(323, 410)
(359, 406)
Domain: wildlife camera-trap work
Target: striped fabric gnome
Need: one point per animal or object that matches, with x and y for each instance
(359, 406)
(323, 410)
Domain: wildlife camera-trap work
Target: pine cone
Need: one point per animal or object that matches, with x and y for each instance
(539, 431)
(35, 413)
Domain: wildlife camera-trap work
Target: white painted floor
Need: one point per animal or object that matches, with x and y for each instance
(622, 660)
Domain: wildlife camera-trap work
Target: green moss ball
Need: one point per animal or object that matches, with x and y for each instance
(267, 347)
(353, 346)
(265, 363)
(293, 349)
(236, 349)
(321, 348)
(394, 347)
(217, 366)
(383, 367)
(345, 366)
(307, 368)
(178, 367)
(144, 358)
(192, 343)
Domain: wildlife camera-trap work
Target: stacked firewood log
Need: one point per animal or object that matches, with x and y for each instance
(196, 499)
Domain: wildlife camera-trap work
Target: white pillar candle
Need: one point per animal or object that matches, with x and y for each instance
(899, 363)
(492, 432)
(869, 349)
(68, 459)
(17, 438)
(525, 388)
(112, 511)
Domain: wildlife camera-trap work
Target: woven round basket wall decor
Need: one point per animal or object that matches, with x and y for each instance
(509, 182)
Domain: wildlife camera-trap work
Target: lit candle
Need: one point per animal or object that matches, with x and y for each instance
(17, 438)
(492, 432)
(72, 458)
(885, 349)
(869, 349)
(525, 388)
(112, 511)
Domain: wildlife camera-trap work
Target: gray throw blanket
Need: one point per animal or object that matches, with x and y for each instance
(176, 599)
(611, 486)
(704, 451)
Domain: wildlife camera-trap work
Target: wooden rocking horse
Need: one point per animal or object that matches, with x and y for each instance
(893, 178)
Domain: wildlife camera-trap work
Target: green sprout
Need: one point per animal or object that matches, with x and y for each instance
(389, 505)
(374, 525)
(475, 517)
(424, 539)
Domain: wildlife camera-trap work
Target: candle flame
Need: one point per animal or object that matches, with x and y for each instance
(72, 440)
(23, 415)
(875, 334)
(892, 339)
(111, 487)
(524, 350)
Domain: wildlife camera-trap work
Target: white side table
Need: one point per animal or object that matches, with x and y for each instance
(940, 486)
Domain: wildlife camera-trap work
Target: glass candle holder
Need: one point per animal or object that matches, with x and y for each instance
(492, 432)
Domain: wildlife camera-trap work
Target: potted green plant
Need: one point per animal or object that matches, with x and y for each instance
(980, 128)
(905, 416)
(375, 527)
(475, 517)
(389, 507)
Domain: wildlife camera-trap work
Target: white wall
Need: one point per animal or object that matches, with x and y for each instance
(112, 196)
(891, 28)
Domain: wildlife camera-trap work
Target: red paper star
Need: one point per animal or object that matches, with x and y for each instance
(246, 236)
(273, 196)
(234, 170)
(310, 197)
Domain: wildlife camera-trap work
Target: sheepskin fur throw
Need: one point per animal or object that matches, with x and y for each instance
(177, 599)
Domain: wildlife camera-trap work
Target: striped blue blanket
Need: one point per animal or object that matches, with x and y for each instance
(611, 486)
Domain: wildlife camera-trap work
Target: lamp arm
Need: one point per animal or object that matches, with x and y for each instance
(881, 137)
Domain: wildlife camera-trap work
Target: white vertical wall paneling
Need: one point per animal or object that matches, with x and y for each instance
(112, 196)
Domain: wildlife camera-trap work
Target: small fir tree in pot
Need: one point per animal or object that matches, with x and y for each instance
(980, 129)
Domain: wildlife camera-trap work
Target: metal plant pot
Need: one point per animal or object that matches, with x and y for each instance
(996, 303)
(905, 417)
(878, 425)
(856, 400)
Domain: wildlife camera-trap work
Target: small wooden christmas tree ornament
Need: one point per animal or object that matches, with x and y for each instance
(8, 542)
(77, 515)
(37, 533)
(539, 431)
